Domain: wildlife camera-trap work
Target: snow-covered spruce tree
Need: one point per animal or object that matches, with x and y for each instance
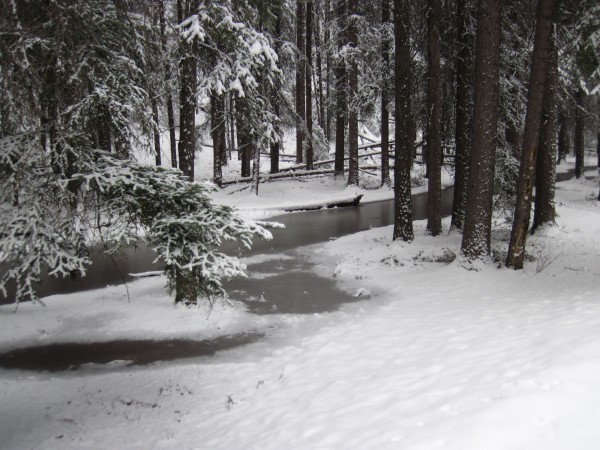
(236, 59)
(63, 64)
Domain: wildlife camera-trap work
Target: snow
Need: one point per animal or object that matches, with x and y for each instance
(429, 355)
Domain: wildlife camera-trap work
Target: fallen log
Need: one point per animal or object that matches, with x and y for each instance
(350, 201)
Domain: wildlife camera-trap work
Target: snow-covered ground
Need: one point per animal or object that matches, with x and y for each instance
(436, 356)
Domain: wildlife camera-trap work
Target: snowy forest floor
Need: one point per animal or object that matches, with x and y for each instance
(436, 356)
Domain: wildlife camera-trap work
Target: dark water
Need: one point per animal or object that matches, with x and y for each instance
(303, 228)
(74, 355)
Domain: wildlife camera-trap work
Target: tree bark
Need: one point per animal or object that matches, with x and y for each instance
(579, 133)
(168, 74)
(463, 116)
(385, 114)
(155, 133)
(309, 120)
(187, 115)
(545, 171)
(300, 81)
(340, 86)
(434, 145)
(353, 89)
(563, 138)
(535, 97)
(478, 217)
(403, 227)
(217, 107)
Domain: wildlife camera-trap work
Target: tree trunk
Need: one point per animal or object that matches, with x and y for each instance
(478, 216)
(403, 227)
(319, 49)
(353, 89)
(535, 97)
(104, 131)
(579, 133)
(563, 138)
(187, 115)
(155, 133)
(309, 121)
(340, 86)
(434, 145)
(545, 172)
(598, 137)
(217, 117)
(169, 103)
(463, 116)
(300, 81)
(385, 114)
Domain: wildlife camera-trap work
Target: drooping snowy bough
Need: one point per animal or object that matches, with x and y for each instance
(47, 222)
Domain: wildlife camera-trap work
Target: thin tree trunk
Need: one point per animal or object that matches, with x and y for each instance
(403, 226)
(385, 114)
(340, 85)
(104, 131)
(319, 49)
(155, 133)
(563, 138)
(300, 81)
(478, 217)
(217, 117)
(169, 103)
(328, 84)
(535, 98)
(598, 137)
(309, 121)
(463, 117)
(579, 133)
(545, 172)
(353, 89)
(434, 147)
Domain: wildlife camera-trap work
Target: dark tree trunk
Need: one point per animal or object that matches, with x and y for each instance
(319, 50)
(535, 97)
(217, 109)
(309, 120)
(169, 103)
(463, 116)
(353, 89)
(104, 132)
(579, 133)
(385, 91)
(155, 133)
(545, 171)
(403, 227)
(563, 137)
(274, 146)
(328, 82)
(434, 145)
(598, 138)
(478, 217)
(245, 147)
(300, 81)
(187, 115)
(340, 86)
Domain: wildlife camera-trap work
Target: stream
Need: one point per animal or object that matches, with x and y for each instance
(284, 284)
